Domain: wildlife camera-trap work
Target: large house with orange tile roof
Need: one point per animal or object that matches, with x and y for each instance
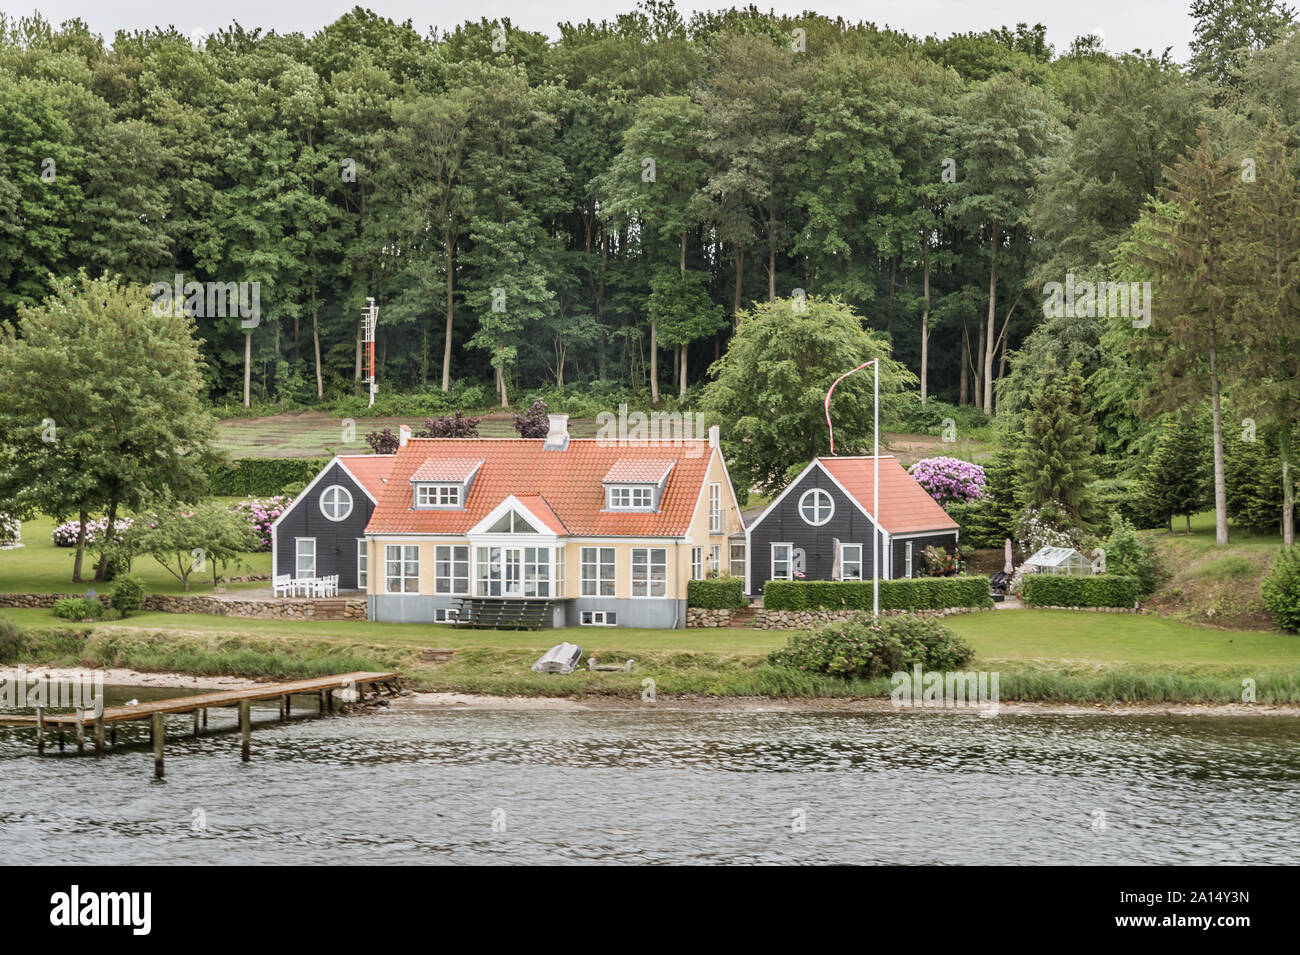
(592, 532)
(821, 527)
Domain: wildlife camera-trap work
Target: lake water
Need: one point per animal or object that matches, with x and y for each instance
(644, 786)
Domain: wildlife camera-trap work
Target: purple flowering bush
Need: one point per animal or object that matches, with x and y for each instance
(859, 647)
(261, 513)
(65, 535)
(950, 480)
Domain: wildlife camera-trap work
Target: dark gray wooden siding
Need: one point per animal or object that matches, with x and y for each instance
(947, 540)
(336, 541)
(784, 525)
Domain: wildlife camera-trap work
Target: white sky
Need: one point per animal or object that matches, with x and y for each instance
(1125, 24)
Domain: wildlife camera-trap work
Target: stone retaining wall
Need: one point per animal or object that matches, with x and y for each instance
(803, 619)
(354, 608)
(699, 617)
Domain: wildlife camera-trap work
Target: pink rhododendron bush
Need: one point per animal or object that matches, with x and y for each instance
(949, 480)
(65, 535)
(261, 514)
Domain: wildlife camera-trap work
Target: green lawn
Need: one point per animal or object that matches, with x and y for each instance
(1033, 637)
(41, 568)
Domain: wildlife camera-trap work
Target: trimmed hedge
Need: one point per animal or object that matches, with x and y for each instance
(723, 593)
(918, 593)
(1062, 590)
(261, 477)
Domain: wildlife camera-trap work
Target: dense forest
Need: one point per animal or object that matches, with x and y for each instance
(596, 210)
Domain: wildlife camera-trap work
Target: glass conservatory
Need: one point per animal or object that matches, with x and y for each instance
(1058, 560)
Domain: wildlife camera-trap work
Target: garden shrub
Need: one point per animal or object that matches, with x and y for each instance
(978, 520)
(1129, 556)
(919, 593)
(127, 595)
(88, 607)
(863, 648)
(722, 593)
(11, 531)
(1280, 588)
(1093, 590)
(949, 480)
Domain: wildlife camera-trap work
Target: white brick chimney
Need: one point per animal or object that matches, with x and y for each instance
(715, 436)
(403, 436)
(557, 434)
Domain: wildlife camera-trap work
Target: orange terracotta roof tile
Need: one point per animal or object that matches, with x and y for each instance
(905, 506)
(538, 507)
(637, 471)
(437, 468)
(370, 470)
(569, 481)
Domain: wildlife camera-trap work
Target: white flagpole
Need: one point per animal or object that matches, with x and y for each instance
(875, 501)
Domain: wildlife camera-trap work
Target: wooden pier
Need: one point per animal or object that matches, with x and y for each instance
(351, 686)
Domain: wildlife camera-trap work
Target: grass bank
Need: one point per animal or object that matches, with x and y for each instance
(1040, 656)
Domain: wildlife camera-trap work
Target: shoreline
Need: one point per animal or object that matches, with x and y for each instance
(438, 701)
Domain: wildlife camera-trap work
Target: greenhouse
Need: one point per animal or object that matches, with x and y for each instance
(1058, 560)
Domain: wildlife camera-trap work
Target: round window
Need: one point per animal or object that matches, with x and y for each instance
(816, 507)
(336, 502)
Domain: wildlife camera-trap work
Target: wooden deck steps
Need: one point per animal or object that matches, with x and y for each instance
(503, 614)
(743, 617)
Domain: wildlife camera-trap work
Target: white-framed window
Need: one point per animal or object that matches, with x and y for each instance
(487, 574)
(715, 508)
(437, 495)
(446, 615)
(363, 565)
(451, 569)
(597, 571)
(537, 571)
(599, 618)
(304, 557)
(850, 562)
(629, 497)
(907, 558)
(816, 507)
(559, 571)
(736, 565)
(782, 561)
(649, 572)
(336, 502)
(401, 568)
(715, 559)
(697, 563)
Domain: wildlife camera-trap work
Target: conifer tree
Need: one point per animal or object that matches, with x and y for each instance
(1058, 452)
(1176, 478)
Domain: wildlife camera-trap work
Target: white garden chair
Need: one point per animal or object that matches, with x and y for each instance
(283, 585)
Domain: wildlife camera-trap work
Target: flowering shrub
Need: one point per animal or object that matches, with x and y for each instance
(261, 513)
(950, 480)
(65, 535)
(1044, 526)
(11, 531)
(861, 648)
(939, 562)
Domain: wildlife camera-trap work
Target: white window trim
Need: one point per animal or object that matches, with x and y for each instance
(434, 488)
(469, 570)
(715, 508)
(714, 564)
(697, 563)
(598, 563)
(809, 493)
(907, 561)
(771, 567)
(858, 561)
(320, 502)
(402, 560)
(449, 614)
(633, 492)
(363, 560)
(604, 616)
(650, 564)
(297, 555)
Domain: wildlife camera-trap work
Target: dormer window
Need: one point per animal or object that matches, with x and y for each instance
(438, 495)
(629, 497)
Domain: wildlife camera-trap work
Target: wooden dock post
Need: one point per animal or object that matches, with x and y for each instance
(112, 736)
(196, 724)
(329, 701)
(288, 705)
(284, 708)
(320, 701)
(81, 732)
(245, 729)
(205, 717)
(158, 734)
(40, 730)
(99, 736)
(60, 738)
